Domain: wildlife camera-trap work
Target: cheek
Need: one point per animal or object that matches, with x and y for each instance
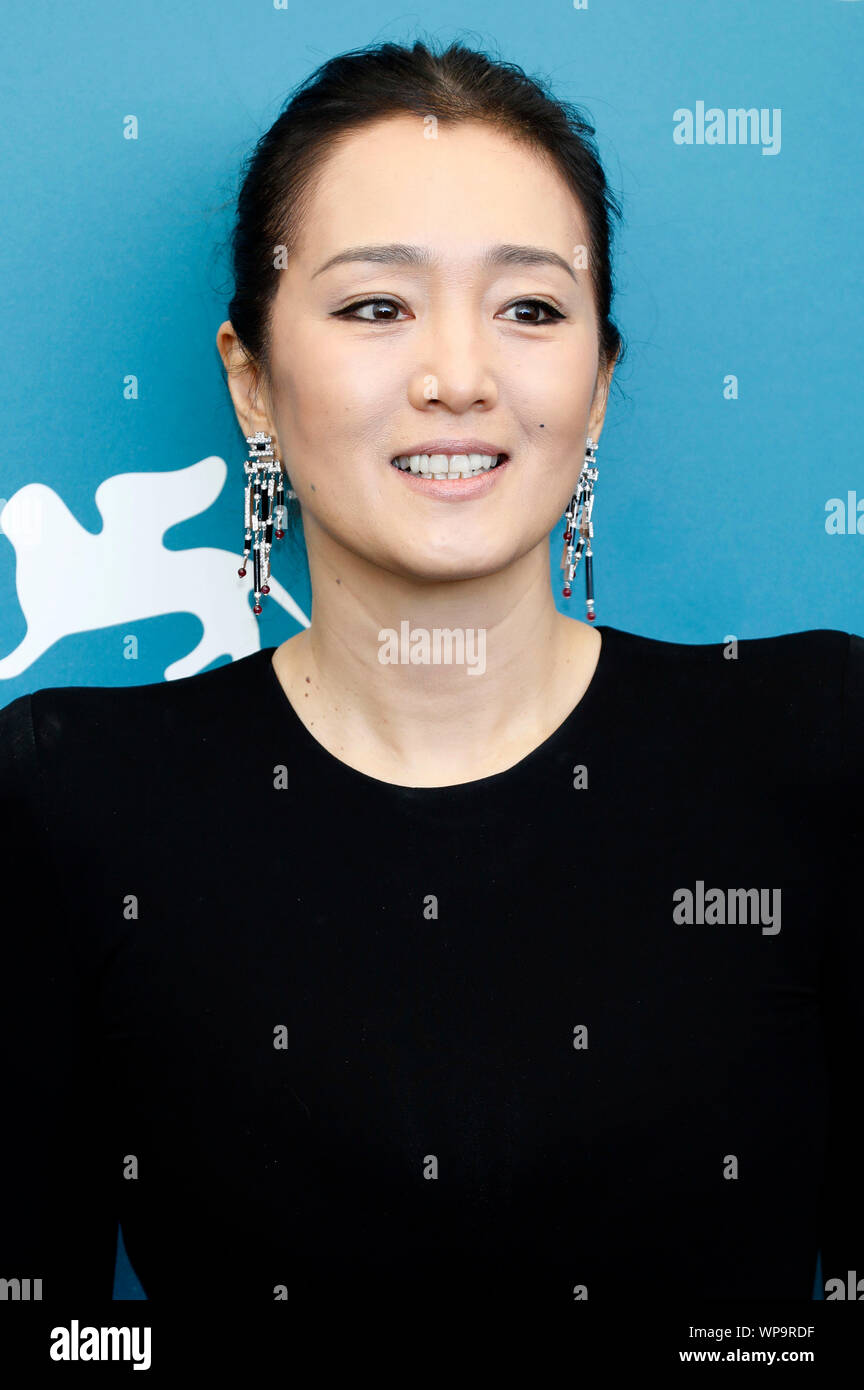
(554, 390)
(332, 389)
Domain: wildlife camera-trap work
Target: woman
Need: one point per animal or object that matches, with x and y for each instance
(519, 960)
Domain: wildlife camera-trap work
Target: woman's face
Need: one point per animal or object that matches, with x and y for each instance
(454, 355)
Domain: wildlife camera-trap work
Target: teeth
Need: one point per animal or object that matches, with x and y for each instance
(446, 465)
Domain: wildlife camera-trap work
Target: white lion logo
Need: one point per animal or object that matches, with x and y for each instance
(71, 581)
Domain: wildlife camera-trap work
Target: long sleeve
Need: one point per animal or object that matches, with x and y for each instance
(57, 1222)
(843, 1004)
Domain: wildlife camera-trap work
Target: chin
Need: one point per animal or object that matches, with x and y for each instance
(450, 570)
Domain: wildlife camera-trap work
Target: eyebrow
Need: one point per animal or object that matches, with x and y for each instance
(396, 253)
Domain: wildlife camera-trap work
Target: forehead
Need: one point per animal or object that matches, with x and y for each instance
(469, 186)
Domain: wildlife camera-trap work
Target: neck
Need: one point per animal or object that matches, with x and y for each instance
(495, 668)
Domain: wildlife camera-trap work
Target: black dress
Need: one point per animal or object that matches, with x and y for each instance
(305, 1032)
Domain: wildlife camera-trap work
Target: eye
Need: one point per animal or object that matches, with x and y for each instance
(533, 306)
(353, 311)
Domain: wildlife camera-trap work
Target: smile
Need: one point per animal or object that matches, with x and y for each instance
(447, 466)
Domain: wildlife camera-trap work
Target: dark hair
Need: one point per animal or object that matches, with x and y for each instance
(353, 89)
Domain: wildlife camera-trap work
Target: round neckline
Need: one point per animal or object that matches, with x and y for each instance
(477, 785)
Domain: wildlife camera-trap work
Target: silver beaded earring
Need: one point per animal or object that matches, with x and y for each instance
(264, 478)
(578, 516)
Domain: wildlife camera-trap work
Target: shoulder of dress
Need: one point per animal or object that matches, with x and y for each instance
(783, 701)
(794, 665)
(852, 703)
(18, 753)
(54, 720)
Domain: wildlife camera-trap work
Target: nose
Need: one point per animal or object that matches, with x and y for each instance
(454, 365)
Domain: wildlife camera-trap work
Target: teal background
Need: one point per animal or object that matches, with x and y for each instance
(709, 513)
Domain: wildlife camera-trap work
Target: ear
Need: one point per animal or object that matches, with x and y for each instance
(246, 384)
(601, 400)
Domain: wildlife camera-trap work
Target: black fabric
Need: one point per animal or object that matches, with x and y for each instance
(413, 1037)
